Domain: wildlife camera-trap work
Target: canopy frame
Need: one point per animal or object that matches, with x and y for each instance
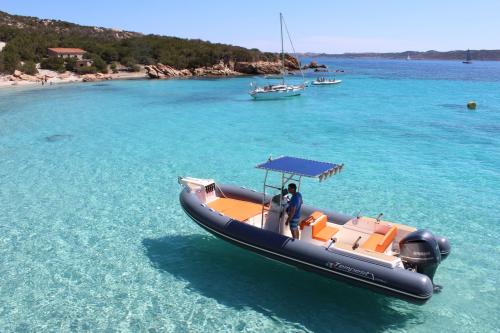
(294, 169)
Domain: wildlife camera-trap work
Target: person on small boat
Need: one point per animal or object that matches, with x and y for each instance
(293, 210)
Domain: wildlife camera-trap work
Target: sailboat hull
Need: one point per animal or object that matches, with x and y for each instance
(276, 94)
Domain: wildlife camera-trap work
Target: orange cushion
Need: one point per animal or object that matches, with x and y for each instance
(316, 215)
(319, 225)
(236, 209)
(310, 219)
(378, 242)
(372, 242)
(325, 234)
(388, 238)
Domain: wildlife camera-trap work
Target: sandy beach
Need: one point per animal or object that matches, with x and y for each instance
(53, 77)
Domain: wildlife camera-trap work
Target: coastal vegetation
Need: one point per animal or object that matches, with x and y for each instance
(28, 39)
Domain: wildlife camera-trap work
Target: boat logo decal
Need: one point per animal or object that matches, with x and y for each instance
(349, 269)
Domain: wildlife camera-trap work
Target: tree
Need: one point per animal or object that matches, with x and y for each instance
(53, 63)
(99, 63)
(10, 60)
(128, 62)
(29, 67)
(113, 67)
(86, 70)
(70, 64)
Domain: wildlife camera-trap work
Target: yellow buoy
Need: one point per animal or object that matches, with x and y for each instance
(471, 105)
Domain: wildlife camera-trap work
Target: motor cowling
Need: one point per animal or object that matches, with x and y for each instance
(420, 250)
(444, 246)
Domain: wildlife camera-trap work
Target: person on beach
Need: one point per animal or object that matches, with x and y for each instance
(293, 210)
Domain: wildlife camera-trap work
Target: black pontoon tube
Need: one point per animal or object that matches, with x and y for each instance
(405, 284)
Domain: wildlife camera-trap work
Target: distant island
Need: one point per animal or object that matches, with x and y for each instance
(30, 47)
(485, 55)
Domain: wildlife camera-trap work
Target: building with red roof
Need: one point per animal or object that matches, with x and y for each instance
(66, 52)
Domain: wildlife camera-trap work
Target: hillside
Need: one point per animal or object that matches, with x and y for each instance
(34, 24)
(491, 55)
(28, 38)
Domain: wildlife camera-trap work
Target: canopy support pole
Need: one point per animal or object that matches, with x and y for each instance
(263, 201)
(282, 214)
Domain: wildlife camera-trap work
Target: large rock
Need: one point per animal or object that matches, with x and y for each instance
(26, 77)
(220, 69)
(291, 63)
(314, 65)
(267, 67)
(258, 67)
(160, 71)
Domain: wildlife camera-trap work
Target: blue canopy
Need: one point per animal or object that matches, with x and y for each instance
(301, 167)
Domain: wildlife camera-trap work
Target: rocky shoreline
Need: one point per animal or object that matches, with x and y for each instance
(158, 71)
(229, 68)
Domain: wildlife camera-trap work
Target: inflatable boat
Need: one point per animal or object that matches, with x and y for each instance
(388, 257)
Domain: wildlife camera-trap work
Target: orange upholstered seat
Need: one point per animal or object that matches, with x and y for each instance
(236, 209)
(325, 234)
(378, 242)
(321, 231)
(310, 219)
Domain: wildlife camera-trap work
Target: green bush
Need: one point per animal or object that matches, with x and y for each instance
(10, 60)
(136, 68)
(128, 62)
(70, 64)
(29, 67)
(86, 70)
(113, 67)
(99, 63)
(53, 63)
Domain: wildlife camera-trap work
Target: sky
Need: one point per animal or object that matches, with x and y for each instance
(315, 26)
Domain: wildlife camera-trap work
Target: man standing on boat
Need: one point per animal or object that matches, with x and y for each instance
(293, 210)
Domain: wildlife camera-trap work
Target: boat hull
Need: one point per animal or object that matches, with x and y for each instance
(326, 83)
(410, 286)
(265, 95)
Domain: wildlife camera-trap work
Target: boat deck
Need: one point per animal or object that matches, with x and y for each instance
(364, 237)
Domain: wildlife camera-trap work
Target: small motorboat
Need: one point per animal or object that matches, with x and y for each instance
(388, 257)
(323, 81)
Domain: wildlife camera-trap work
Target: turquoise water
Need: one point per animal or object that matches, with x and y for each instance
(92, 237)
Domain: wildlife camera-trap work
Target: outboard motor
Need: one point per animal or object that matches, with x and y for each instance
(420, 250)
(444, 246)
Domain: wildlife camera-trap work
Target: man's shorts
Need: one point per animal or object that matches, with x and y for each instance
(294, 224)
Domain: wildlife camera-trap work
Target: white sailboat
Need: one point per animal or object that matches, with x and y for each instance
(408, 58)
(274, 91)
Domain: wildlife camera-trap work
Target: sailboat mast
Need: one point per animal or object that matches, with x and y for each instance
(282, 50)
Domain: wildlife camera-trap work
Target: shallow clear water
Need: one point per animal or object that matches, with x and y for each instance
(92, 236)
